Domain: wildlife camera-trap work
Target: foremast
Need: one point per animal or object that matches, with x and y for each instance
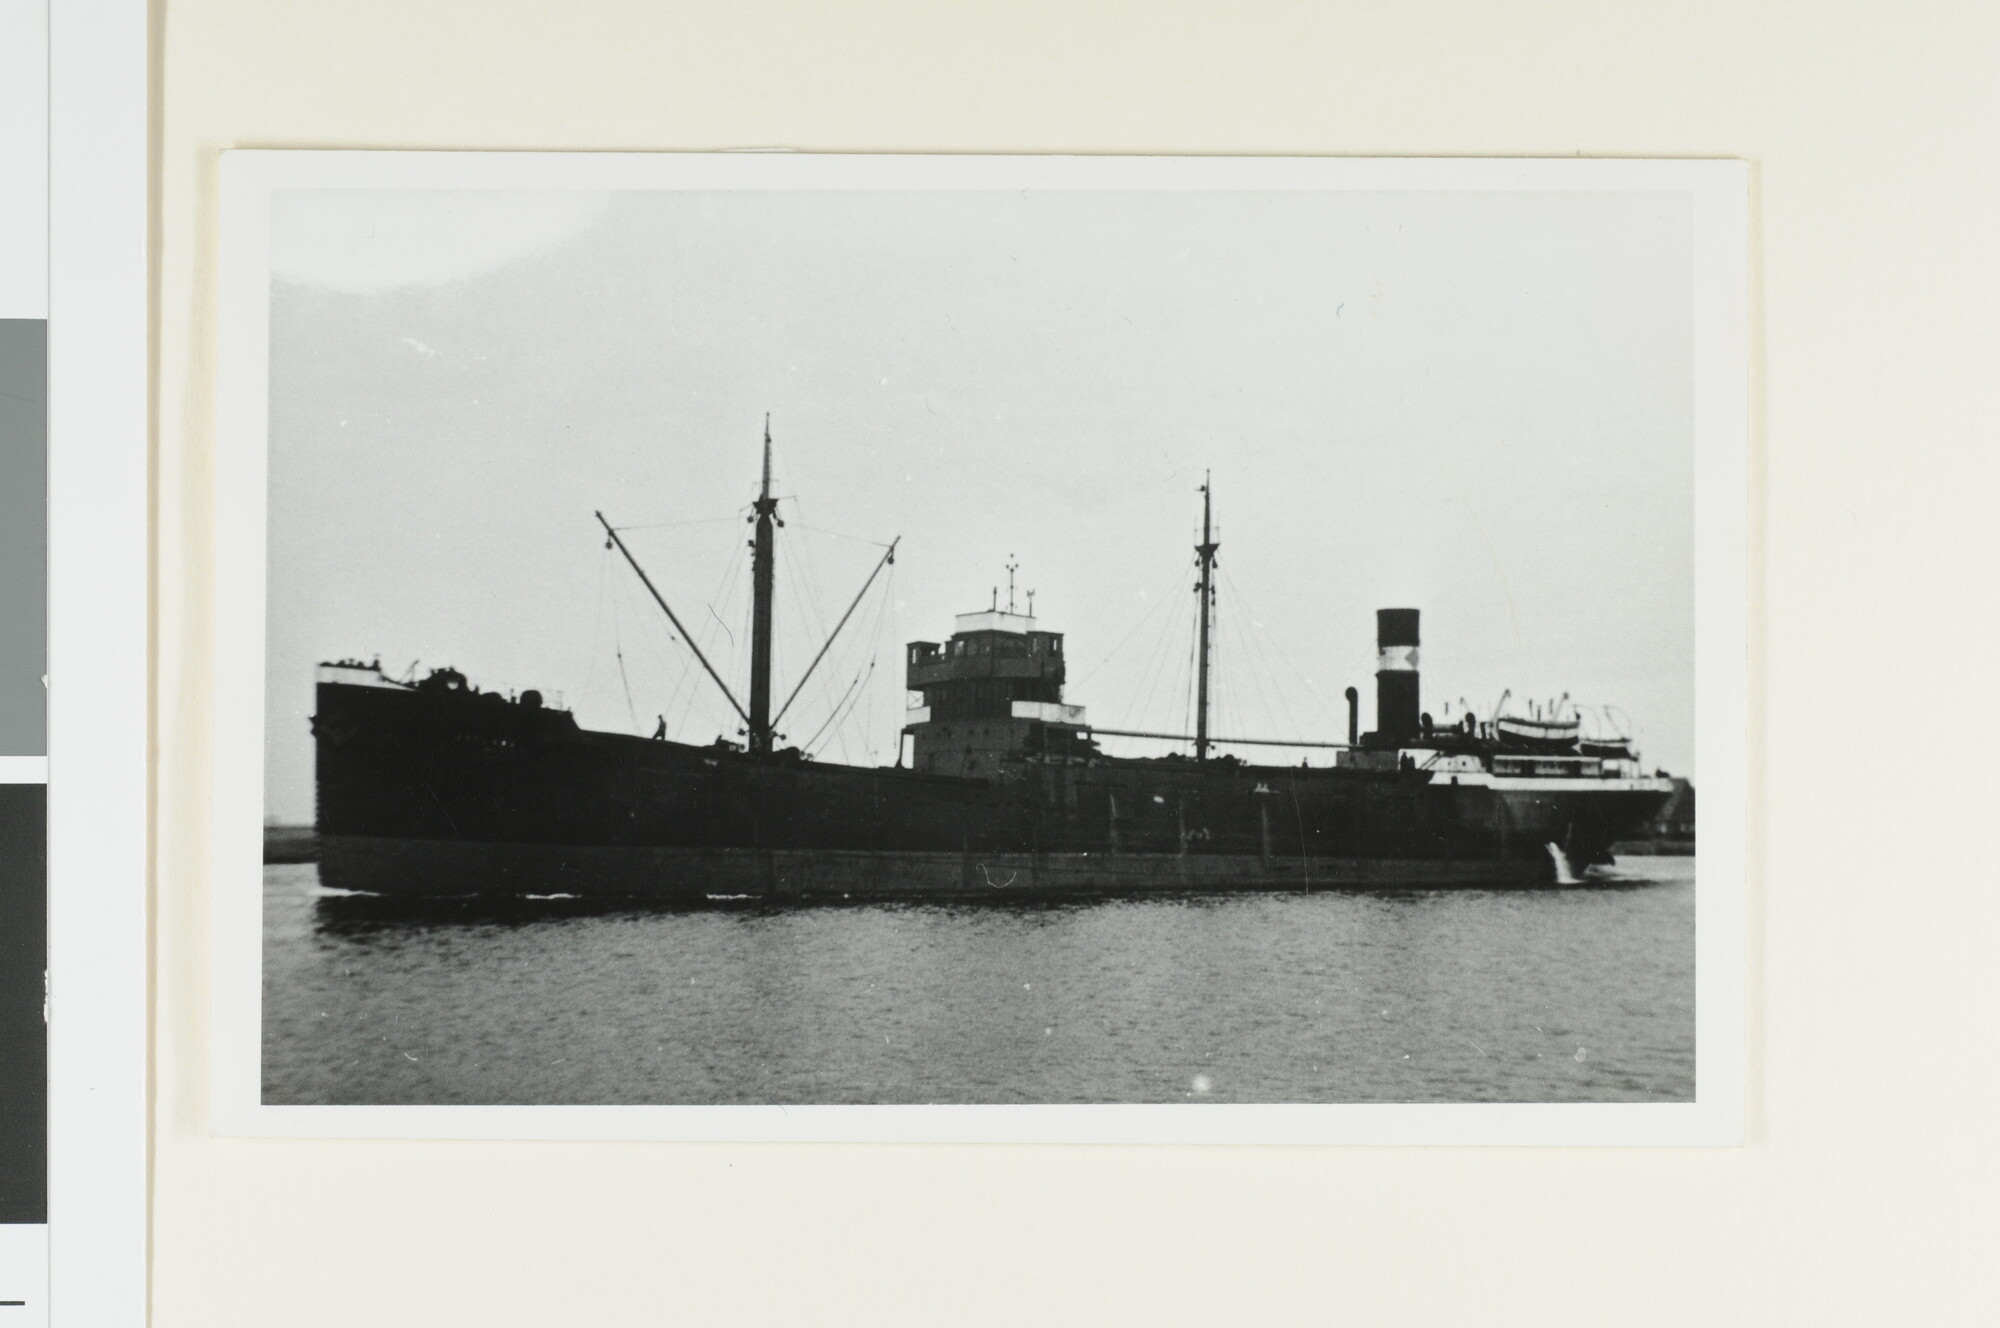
(759, 724)
(763, 575)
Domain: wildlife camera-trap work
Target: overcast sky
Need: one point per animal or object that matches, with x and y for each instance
(1479, 405)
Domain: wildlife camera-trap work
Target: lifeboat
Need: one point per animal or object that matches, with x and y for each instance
(1536, 735)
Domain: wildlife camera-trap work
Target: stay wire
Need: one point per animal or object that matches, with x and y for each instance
(820, 530)
(858, 689)
(1187, 679)
(1145, 618)
(1312, 689)
(596, 629)
(842, 732)
(1253, 667)
(671, 525)
(618, 648)
(1159, 662)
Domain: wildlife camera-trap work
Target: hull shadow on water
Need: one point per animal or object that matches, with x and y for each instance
(351, 912)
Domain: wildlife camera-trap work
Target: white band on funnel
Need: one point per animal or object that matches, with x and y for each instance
(1396, 659)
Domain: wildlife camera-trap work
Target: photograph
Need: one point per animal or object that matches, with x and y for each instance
(778, 646)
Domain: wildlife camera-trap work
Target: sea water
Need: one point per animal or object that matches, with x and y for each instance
(1577, 994)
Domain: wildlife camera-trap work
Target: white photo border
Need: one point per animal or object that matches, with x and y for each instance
(1719, 193)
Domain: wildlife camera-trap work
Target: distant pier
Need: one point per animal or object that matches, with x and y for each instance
(290, 843)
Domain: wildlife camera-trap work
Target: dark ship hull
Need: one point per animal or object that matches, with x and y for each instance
(441, 791)
(434, 788)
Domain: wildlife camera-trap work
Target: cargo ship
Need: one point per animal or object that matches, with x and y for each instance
(432, 787)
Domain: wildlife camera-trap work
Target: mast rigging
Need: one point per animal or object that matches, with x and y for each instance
(759, 723)
(660, 600)
(887, 559)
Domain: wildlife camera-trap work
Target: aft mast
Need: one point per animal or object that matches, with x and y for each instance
(763, 571)
(1205, 552)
